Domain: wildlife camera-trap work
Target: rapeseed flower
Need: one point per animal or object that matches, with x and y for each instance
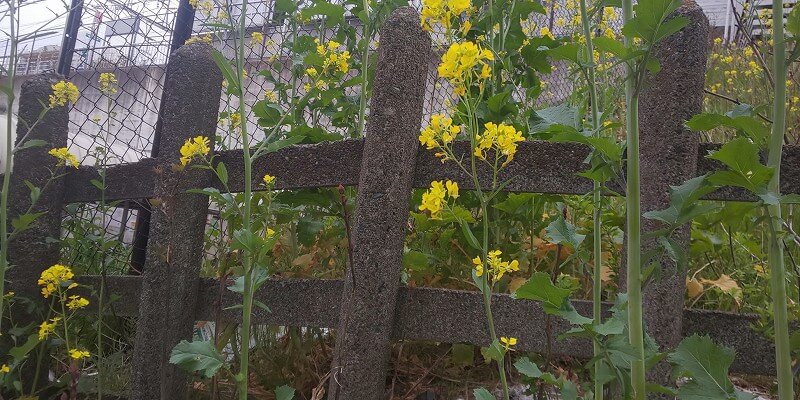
(108, 83)
(78, 354)
(52, 278)
(269, 180)
(494, 265)
(442, 12)
(460, 63)
(434, 199)
(47, 328)
(196, 147)
(502, 138)
(77, 302)
(63, 92)
(64, 157)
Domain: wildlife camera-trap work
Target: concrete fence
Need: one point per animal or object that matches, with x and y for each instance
(370, 308)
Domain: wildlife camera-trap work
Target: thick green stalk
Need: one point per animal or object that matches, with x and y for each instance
(634, 231)
(362, 106)
(12, 67)
(597, 249)
(775, 255)
(247, 306)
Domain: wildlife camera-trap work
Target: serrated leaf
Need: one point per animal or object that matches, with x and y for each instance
(528, 368)
(562, 232)
(563, 114)
(483, 394)
(540, 288)
(494, 351)
(706, 364)
(197, 357)
(744, 166)
(284, 392)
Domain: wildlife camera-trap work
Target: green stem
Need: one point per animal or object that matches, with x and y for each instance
(633, 207)
(487, 297)
(362, 106)
(775, 254)
(247, 309)
(12, 61)
(597, 249)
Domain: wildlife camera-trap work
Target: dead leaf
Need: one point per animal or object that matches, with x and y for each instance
(693, 287)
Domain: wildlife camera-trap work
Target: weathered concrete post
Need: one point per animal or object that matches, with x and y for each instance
(384, 191)
(175, 247)
(32, 251)
(669, 157)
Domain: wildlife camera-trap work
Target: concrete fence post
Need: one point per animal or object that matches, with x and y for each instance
(669, 157)
(370, 292)
(33, 250)
(175, 246)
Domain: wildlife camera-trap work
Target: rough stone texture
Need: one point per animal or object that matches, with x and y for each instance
(32, 251)
(384, 189)
(441, 315)
(669, 153)
(331, 164)
(175, 245)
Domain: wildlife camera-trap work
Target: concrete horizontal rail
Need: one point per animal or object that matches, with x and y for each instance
(442, 315)
(538, 167)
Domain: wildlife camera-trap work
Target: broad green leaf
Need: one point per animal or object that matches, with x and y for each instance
(612, 46)
(793, 21)
(24, 221)
(563, 114)
(683, 201)
(197, 356)
(648, 21)
(494, 351)
(562, 232)
(222, 173)
(745, 168)
(284, 393)
(415, 260)
(483, 394)
(19, 352)
(333, 13)
(706, 365)
(746, 124)
(527, 367)
(286, 6)
(541, 289)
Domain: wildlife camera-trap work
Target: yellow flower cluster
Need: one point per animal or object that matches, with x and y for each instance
(496, 267)
(63, 92)
(269, 180)
(195, 147)
(205, 7)
(502, 138)
(77, 302)
(76, 354)
(335, 63)
(442, 12)
(256, 38)
(64, 157)
(199, 39)
(271, 96)
(438, 134)
(433, 200)
(47, 328)
(4, 369)
(108, 83)
(460, 65)
(52, 278)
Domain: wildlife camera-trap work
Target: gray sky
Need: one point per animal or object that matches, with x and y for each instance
(37, 15)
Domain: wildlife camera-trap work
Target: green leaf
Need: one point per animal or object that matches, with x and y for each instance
(30, 144)
(528, 368)
(222, 173)
(612, 46)
(683, 201)
(648, 21)
(793, 21)
(333, 13)
(197, 356)
(562, 232)
(745, 168)
(415, 260)
(224, 66)
(541, 289)
(24, 221)
(284, 392)
(706, 364)
(494, 351)
(483, 394)
(562, 114)
(18, 353)
(286, 6)
(471, 239)
(747, 124)
(279, 144)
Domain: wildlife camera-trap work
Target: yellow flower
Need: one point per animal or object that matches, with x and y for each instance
(439, 133)
(47, 328)
(545, 32)
(256, 38)
(270, 232)
(442, 12)
(502, 138)
(199, 39)
(271, 96)
(77, 302)
(108, 83)
(53, 277)
(196, 147)
(508, 342)
(433, 199)
(78, 354)
(452, 189)
(478, 263)
(64, 157)
(235, 120)
(4, 369)
(334, 61)
(63, 92)
(269, 180)
(459, 63)
(718, 41)
(496, 267)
